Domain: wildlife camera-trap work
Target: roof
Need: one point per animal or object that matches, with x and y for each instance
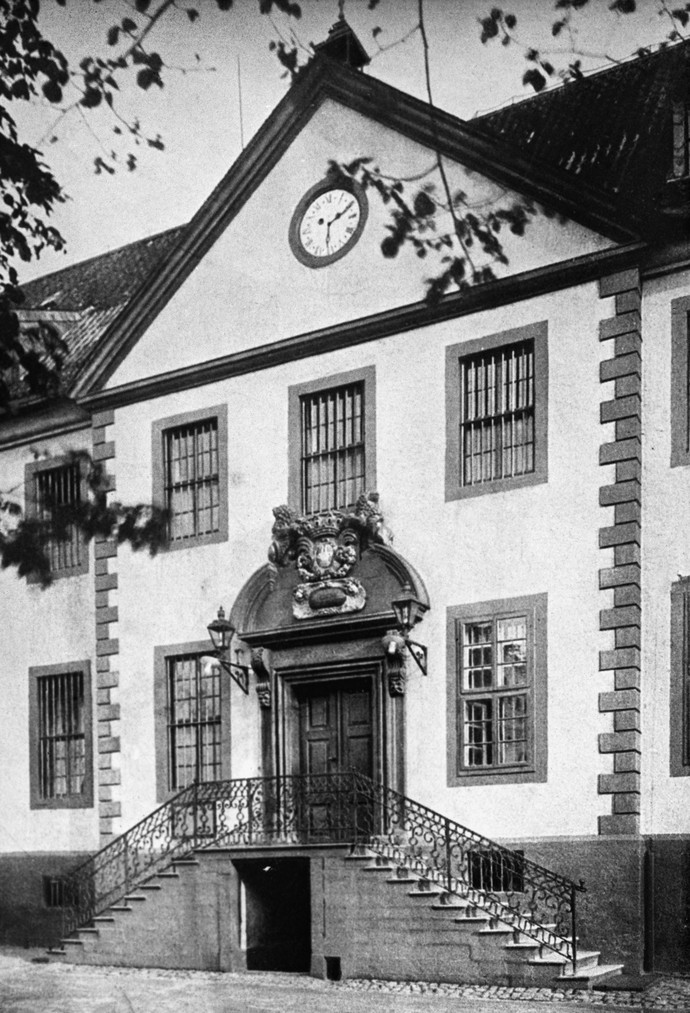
(608, 129)
(588, 149)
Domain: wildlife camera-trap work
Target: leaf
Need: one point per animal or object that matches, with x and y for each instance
(557, 27)
(142, 5)
(113, 35)
(91, 98)
(52, 91)
(534, 78)
(682, 16)
(376, 32)
(623, 6)
(423, 205)
(192, 14)
(128, 25)
(510, 21)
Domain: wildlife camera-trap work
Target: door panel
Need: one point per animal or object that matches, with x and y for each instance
(336, 728)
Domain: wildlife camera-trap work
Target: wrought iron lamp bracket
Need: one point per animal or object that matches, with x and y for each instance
(240, 673)
(418, 652)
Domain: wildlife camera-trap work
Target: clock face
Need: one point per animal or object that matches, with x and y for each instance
(327, 223)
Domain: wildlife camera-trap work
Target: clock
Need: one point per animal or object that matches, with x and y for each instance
(328, 221)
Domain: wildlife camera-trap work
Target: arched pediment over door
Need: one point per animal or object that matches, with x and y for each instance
(315, 616)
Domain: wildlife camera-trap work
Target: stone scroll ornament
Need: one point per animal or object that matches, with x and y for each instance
(324, 548)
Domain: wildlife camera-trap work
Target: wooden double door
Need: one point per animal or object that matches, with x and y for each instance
(336, 736)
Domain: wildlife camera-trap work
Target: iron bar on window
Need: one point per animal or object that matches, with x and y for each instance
(56, 488)
(61, 738)
(497, 414)
(192, 479)
(332, 429)
(194, 721)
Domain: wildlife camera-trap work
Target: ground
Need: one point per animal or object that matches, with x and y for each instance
(30, 987)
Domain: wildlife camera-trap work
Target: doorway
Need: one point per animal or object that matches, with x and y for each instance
(336, 727)
(275, 915)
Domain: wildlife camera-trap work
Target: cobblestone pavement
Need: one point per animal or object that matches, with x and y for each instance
(27, 987)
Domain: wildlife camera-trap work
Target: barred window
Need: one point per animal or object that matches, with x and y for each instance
(61, 736)
(497, 437)
(496, 871)
(680, 678)
(333, 447)
(192, 479)
(51, 490)
(194, 721)
(681, 137)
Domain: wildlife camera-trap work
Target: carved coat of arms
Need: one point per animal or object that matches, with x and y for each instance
(325, 548)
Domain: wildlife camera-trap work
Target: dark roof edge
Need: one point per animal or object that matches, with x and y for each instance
(516, 288)
(380, 102)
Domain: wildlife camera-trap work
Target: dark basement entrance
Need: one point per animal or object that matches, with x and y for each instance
(275, 915)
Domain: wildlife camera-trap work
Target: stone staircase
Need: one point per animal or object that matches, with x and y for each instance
(499, 953)
(396, 924)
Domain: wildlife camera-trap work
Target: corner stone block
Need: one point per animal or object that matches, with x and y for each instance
(619, 534)
(620, 408)
(628, 636)
(626, 385)
(104, 647)
(616, 576)
(619, 826)
(626, 762)
(619, 742)
(623, 323)
(624, 554)
(111, 744)
(628, 594)
(109, 776)
(626, 343)
(627, 678)
(106, 581)
(627, 301)
(627, 802)
(110, 809)
(625, 615)
(620, 492)
(621, 365)
(105, 549)
(625, 699)
(622, 281)
(610, 784)
(107, 680)
(107, 417)
(624, 657)
(104, 451)
(620, 450)
(624, 721)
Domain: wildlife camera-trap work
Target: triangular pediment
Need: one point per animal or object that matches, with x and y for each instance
(233, 283)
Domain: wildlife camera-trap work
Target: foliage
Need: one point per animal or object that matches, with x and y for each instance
(25, 540)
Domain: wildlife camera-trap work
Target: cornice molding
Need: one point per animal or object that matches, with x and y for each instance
(525, 285)
(380, 102)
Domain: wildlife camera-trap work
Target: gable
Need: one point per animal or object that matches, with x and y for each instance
(249, 290)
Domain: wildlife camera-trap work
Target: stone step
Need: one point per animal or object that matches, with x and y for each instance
(586, 978)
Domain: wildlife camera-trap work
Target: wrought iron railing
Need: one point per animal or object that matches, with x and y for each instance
(346, 808)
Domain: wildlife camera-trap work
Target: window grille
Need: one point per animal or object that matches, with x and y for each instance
(333, 447)
(496, 872)
(55, 489)
(495, 693)
(61, 736)
(497, 414)
(54, 893)
(194, 721)
(192, 479)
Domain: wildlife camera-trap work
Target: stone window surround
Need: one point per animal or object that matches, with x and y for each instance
(85, 800)
(365, 375)
(680, 374)
(680, 679)
(160, 696)
(454, 353)
(158, 430)
(535, 607)
(30, 472)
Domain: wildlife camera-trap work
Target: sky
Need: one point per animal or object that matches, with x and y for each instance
(223, 82)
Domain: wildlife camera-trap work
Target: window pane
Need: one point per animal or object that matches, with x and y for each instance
(57, 490)
(497, 414)
(478, 734)
(477, 656)
(333, 449)
(511, 647)
(61, 742)
(193, 721)
(192, 479)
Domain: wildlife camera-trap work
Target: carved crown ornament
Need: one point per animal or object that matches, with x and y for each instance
(324, 549)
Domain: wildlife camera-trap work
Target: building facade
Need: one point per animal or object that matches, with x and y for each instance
(510, 461)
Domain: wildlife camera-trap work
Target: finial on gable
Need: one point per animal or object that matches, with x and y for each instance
(343, 45)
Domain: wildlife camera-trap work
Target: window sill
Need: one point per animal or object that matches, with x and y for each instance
(69, 802)
(513, 775)
(500, 485)
(195, 542)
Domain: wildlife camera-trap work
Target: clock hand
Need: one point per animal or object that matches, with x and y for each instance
(340, 214)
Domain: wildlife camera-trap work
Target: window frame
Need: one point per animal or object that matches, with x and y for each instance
(85, 800)
(679, 728)
(680, 382)
(159, 430)
(535, 608)
(538, 333)
(31, 473)
(161, 657)
(367, 377)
